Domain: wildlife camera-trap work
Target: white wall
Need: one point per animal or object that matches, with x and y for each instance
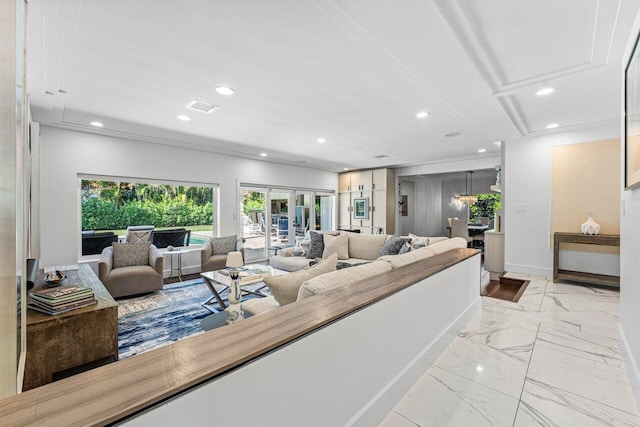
(527, 202)
(629, 256)
(65, 154)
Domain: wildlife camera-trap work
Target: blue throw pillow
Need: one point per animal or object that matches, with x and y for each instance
(393, 245)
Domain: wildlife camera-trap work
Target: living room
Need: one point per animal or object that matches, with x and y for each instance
(224, 148)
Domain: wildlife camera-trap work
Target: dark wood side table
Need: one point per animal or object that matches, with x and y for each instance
(584, 239)
(86, 336)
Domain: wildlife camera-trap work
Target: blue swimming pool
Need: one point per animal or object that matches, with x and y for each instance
(197, 240)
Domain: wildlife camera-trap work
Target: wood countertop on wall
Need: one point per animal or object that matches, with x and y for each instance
(112, 392)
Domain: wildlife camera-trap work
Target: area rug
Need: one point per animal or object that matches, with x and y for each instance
(153, 320)
(160, 318)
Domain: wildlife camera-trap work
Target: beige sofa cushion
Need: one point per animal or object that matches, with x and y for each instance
(447, 245)
(336, 245)
(326, 282)
(260, 305)
(434, 240)
(396, 261)
(285, 288)
(365, 246)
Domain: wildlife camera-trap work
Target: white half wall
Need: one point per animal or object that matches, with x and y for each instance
(65, 154)
(351, 372)
(527, 202)
(629, 256)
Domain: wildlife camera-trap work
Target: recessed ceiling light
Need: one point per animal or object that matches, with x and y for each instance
(423, 114)
(345, 169)
(97, 124)
(263, 154)
(322, 140)
(482, 150)
(545, 91)
(553, 125)
(497, 143)
(224, 90)
(452, 134)
(183, 118)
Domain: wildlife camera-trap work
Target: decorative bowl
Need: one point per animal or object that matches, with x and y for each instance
(53, 278)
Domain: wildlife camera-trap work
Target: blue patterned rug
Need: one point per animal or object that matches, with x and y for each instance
(160, 318)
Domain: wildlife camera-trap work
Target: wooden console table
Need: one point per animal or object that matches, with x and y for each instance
(584, 239)
(65, 342)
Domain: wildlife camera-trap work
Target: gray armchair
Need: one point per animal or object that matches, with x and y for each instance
(216, 258)
(132, 279)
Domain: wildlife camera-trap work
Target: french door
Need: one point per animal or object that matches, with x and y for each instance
(272, 217)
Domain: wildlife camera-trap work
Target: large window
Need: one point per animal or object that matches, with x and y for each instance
(113, 205)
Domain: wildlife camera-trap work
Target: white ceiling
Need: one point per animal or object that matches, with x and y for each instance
(353, 71)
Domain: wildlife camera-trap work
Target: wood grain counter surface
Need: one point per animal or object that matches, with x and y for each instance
(112, 392)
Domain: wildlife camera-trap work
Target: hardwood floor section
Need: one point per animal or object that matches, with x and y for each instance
(507, 289)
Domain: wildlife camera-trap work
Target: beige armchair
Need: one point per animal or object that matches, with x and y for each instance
(212, 259)
(131, 279)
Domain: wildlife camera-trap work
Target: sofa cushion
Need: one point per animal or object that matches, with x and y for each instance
(396, 261)
(336, 245)
(128, 254)
(433, 240)
(393, 245)
(447, 245)
(285, 288)
(260, 305)
(224, 245)
(326, 282)
(289, 263)
(365, 246)
(316, 245)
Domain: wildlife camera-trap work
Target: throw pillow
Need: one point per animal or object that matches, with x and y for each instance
(393, 245)
(224, 245)
(336, 245)
(421, 241)
(316, 245)
(285, 288)
(405, 248)
(127, 254)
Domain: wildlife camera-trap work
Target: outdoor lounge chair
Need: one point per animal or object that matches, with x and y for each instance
(175, 237)
(93, 243)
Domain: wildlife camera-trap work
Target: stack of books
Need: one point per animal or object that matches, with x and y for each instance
(61, 299)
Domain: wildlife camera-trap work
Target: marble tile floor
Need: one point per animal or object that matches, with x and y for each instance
(552, 359)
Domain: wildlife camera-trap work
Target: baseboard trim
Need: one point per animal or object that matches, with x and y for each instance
(529, 269)
(383, 402)
(630, 363)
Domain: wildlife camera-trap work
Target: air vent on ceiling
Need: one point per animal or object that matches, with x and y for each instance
(205, 107)
(380, 156)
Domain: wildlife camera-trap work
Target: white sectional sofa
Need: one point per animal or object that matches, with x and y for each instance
(306, 283)
(361, 248)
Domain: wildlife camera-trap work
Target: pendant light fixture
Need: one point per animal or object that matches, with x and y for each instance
(468, 197)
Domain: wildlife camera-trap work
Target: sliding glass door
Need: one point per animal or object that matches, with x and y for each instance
(254, 227)
(274, 217)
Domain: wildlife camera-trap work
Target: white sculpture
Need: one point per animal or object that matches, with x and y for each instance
(590, 227)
